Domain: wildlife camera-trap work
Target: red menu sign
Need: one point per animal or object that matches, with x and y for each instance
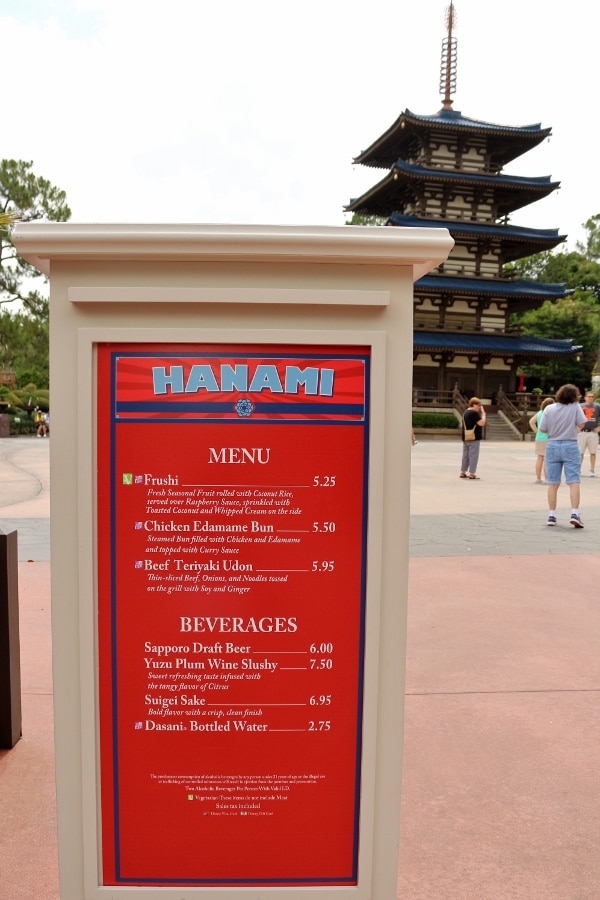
(232, 499)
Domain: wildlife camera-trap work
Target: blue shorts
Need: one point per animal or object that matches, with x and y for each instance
(559, 455)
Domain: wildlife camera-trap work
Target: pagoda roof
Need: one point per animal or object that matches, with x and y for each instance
(505, 142)
(495, 344)
(519, 289)
(517, 241)
(404, 183)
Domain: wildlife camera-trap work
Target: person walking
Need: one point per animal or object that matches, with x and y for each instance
(562, 421)
(588, 437)
(541, 439)
(473, 420)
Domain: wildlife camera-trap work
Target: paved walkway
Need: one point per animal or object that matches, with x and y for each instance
(502, 720)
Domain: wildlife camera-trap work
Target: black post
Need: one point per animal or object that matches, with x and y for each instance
(10, 655)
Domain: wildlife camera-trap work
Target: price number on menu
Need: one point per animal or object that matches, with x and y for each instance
(323, 565)
(321, 725)
(324, 481)
(322, 663)
(320, 700)
(323, 527)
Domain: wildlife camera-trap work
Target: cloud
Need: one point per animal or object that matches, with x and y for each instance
(195, 111)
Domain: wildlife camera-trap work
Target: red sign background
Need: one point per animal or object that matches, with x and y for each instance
(231, 559)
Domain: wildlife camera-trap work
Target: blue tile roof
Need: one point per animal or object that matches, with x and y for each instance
(515, 345)
(496, 287)
(505, 142)
(457, 226)
(455, 118)
(449, 175)
(405, 181)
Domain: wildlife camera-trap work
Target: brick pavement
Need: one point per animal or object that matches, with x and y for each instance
(502, 715)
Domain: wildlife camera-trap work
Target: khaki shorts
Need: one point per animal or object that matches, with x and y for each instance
(588, 440)
(539, 448)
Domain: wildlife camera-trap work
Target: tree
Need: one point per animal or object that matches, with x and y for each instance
(591, 248)
(24, 347)
(363, 219)
(575, 270)
(576, 316)
(28, 197)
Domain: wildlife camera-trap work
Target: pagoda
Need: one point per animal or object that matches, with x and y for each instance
(446, 170)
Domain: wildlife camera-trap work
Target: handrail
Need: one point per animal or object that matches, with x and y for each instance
(459, 401)
(517, 416)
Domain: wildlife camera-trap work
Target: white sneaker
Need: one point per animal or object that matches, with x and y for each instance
(592, 473)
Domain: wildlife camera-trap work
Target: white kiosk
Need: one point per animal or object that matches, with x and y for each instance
(230, 469)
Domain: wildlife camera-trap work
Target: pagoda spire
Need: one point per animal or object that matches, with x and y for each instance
(448, 67)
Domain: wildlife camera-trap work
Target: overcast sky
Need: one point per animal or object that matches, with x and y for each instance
(251, 111)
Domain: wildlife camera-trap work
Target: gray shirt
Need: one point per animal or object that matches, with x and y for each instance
(560, 421)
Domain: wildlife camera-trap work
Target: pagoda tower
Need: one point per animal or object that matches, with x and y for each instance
(447, 170)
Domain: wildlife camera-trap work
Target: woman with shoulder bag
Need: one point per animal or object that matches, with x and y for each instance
(472, 432)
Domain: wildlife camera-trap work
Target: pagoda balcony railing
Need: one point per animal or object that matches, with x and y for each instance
(468, 167)
(517, 406)
(503, 222)
(467, 272)
(466, 327)
(429, 398)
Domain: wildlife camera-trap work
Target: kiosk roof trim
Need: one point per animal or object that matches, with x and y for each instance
(420, 248)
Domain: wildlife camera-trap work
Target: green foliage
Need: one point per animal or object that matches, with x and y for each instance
(23, 399)
(361, 219)
(21, 423)
(30, 197)
(434, 420)
(24, 347)
(575, 271)
(591, 248)
(576, 316)
(24, 331)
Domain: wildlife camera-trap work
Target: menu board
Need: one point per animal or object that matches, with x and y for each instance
(232, 523)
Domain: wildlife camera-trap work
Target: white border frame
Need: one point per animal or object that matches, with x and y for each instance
(371, 803)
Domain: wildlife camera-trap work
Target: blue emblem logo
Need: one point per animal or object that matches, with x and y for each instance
(244, 408)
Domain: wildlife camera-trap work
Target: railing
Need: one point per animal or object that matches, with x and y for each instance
(516, 415)
(512, 404)
(518, 407)
(526, 400)
(429, 398)
(467, 325)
